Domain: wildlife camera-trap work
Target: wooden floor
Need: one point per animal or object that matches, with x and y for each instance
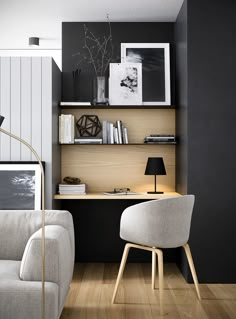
(93, 284)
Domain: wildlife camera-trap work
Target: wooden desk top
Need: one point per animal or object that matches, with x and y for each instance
(103, 196)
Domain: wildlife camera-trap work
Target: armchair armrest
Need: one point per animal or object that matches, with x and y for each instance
(58, 256)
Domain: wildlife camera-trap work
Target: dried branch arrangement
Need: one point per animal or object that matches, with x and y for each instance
(100, 50)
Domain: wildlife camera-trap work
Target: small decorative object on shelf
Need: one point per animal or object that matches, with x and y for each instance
(71, 180)
(89, 125)
(76, 84)
(100, 90)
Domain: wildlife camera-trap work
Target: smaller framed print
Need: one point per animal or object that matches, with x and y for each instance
(155, 59)
(20, 186)
(125, 84)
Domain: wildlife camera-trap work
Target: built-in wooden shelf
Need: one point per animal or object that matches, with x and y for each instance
(103, 196)
(112, 107)
(130, 144)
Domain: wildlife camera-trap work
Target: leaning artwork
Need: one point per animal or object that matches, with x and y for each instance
(125, 84)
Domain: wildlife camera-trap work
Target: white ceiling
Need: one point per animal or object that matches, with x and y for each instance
(21, 19)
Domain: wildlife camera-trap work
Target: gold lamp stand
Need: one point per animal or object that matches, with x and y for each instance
(43, 208)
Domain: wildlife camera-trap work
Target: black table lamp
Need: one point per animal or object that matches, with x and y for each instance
(155, 166)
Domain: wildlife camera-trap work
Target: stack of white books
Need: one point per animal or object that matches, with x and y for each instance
(114, 134)
(70, 189)
(66, 129)
(88, 140)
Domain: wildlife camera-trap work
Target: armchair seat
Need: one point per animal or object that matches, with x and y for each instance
(20, 298)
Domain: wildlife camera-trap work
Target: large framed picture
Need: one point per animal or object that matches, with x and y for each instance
(155, 59)
(20, 186)
(125, 84)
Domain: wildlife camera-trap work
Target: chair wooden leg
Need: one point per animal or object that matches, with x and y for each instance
(161, 278)
(121, 270)
(192, 268)
(153, 269)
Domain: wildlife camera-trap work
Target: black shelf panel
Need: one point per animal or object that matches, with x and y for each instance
(113, 107)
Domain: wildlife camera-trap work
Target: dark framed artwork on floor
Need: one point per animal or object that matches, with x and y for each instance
(20, 186)
(155, 59)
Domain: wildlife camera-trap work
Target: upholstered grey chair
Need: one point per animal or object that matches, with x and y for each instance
(156, 224)
(21, 260)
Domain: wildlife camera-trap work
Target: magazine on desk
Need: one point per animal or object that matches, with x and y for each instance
(121, 193)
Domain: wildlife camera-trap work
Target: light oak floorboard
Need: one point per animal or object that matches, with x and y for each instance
(93, 285)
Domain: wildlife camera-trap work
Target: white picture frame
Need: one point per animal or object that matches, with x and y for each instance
(125, 84)
(155, 59)
(20, 186)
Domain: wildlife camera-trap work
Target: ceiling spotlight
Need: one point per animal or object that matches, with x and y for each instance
(33, 41)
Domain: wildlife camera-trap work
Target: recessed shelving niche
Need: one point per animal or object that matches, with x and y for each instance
(104, 167)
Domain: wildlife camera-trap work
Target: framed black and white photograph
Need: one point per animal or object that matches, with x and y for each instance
(155, 59)
(20, 186)
(125, 84)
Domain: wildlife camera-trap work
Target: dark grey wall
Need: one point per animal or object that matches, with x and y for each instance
(211, 152)
(131, 32)
(181, 49)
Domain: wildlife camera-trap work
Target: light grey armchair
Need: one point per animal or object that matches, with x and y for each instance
(20, 262)
(156, 224)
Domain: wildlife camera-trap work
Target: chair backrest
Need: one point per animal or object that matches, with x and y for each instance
(163, 223)
(16, 227)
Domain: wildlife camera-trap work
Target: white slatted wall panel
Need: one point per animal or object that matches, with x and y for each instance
(26, 111)
(15, 107)
(5, 107)
(26, 96)
(21, 105)
(36, 103)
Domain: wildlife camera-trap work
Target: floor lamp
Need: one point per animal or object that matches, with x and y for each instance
(43, 208)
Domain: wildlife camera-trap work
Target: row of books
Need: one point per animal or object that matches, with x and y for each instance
(66, 129)
(67, 189)
(160, 139)
(111, 133)
(114, 133)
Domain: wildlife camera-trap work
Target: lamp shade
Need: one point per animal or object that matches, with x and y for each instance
(155, 166)
(1, 119)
